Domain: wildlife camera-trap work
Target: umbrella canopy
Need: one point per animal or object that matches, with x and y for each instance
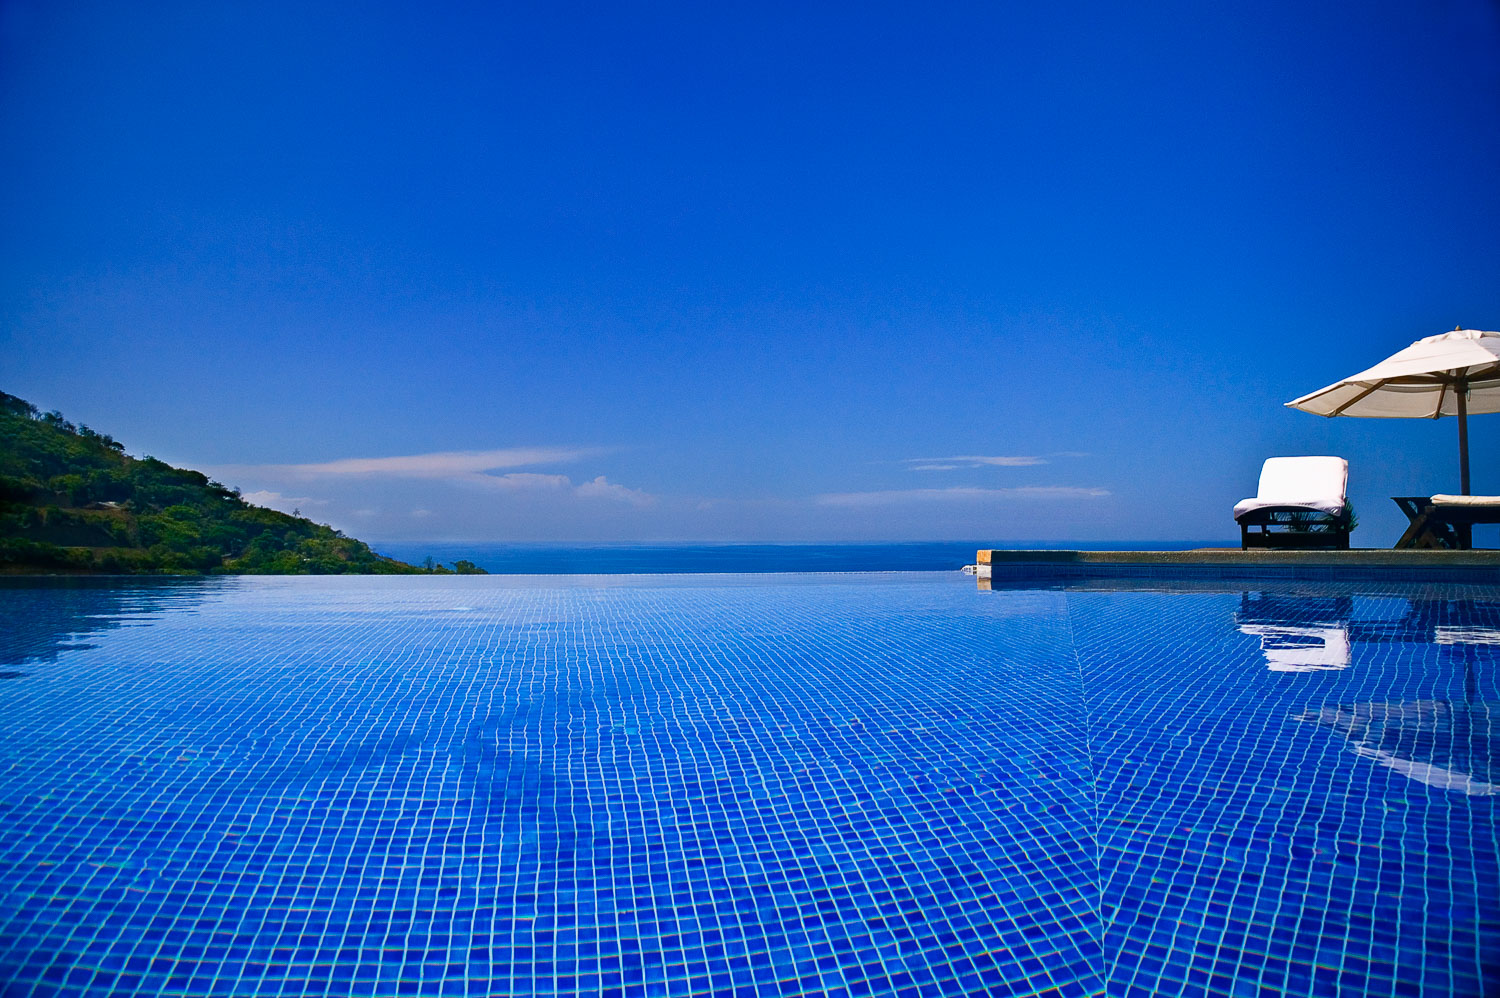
(1451, 374)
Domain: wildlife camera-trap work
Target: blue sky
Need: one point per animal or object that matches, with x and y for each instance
(991, 272)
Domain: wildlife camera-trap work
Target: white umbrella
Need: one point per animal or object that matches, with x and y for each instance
(1451, 374)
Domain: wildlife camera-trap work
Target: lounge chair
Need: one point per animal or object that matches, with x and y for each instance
(1444, 521)
(1301, 503)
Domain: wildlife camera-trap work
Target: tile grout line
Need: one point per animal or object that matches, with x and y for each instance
(1088, 745)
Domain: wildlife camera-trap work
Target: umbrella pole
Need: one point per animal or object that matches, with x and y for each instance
(1462, 396)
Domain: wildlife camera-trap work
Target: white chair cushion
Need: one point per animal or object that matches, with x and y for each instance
(1316, 484)
(1445, 500)
(1333, 507)
(1304, 479)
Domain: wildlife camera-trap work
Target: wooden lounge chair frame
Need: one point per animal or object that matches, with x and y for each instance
(1294, 527)
(1449, 527)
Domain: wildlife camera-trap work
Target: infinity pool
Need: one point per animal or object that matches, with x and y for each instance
(747, 785)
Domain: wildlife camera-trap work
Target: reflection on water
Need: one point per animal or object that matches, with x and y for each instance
(1448, 744)
(1301, 649)
(1309, 764)
(40, 617)
(1298, 633)
(1470, 635)
(1437, 742)
(1441, 734)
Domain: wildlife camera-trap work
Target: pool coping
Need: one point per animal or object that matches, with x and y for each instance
(1226, 563)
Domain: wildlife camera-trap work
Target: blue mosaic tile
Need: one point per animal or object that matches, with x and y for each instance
(748, 786)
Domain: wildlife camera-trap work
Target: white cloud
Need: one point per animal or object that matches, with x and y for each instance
(277, 501)
(1056, 492)
(264, 497)
(525, 481)
(440, 486)
(601, 488)
(518, 481)
(891, 497)
(441, 464)
(971, 461)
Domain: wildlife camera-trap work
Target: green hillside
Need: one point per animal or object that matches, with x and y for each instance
(72, 500)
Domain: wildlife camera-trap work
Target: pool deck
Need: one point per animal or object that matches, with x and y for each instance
(1381, 563)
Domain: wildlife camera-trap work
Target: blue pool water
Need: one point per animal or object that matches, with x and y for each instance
(775, 785)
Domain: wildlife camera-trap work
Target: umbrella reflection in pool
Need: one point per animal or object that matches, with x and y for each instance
(1449, 744)
(1443, 744)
